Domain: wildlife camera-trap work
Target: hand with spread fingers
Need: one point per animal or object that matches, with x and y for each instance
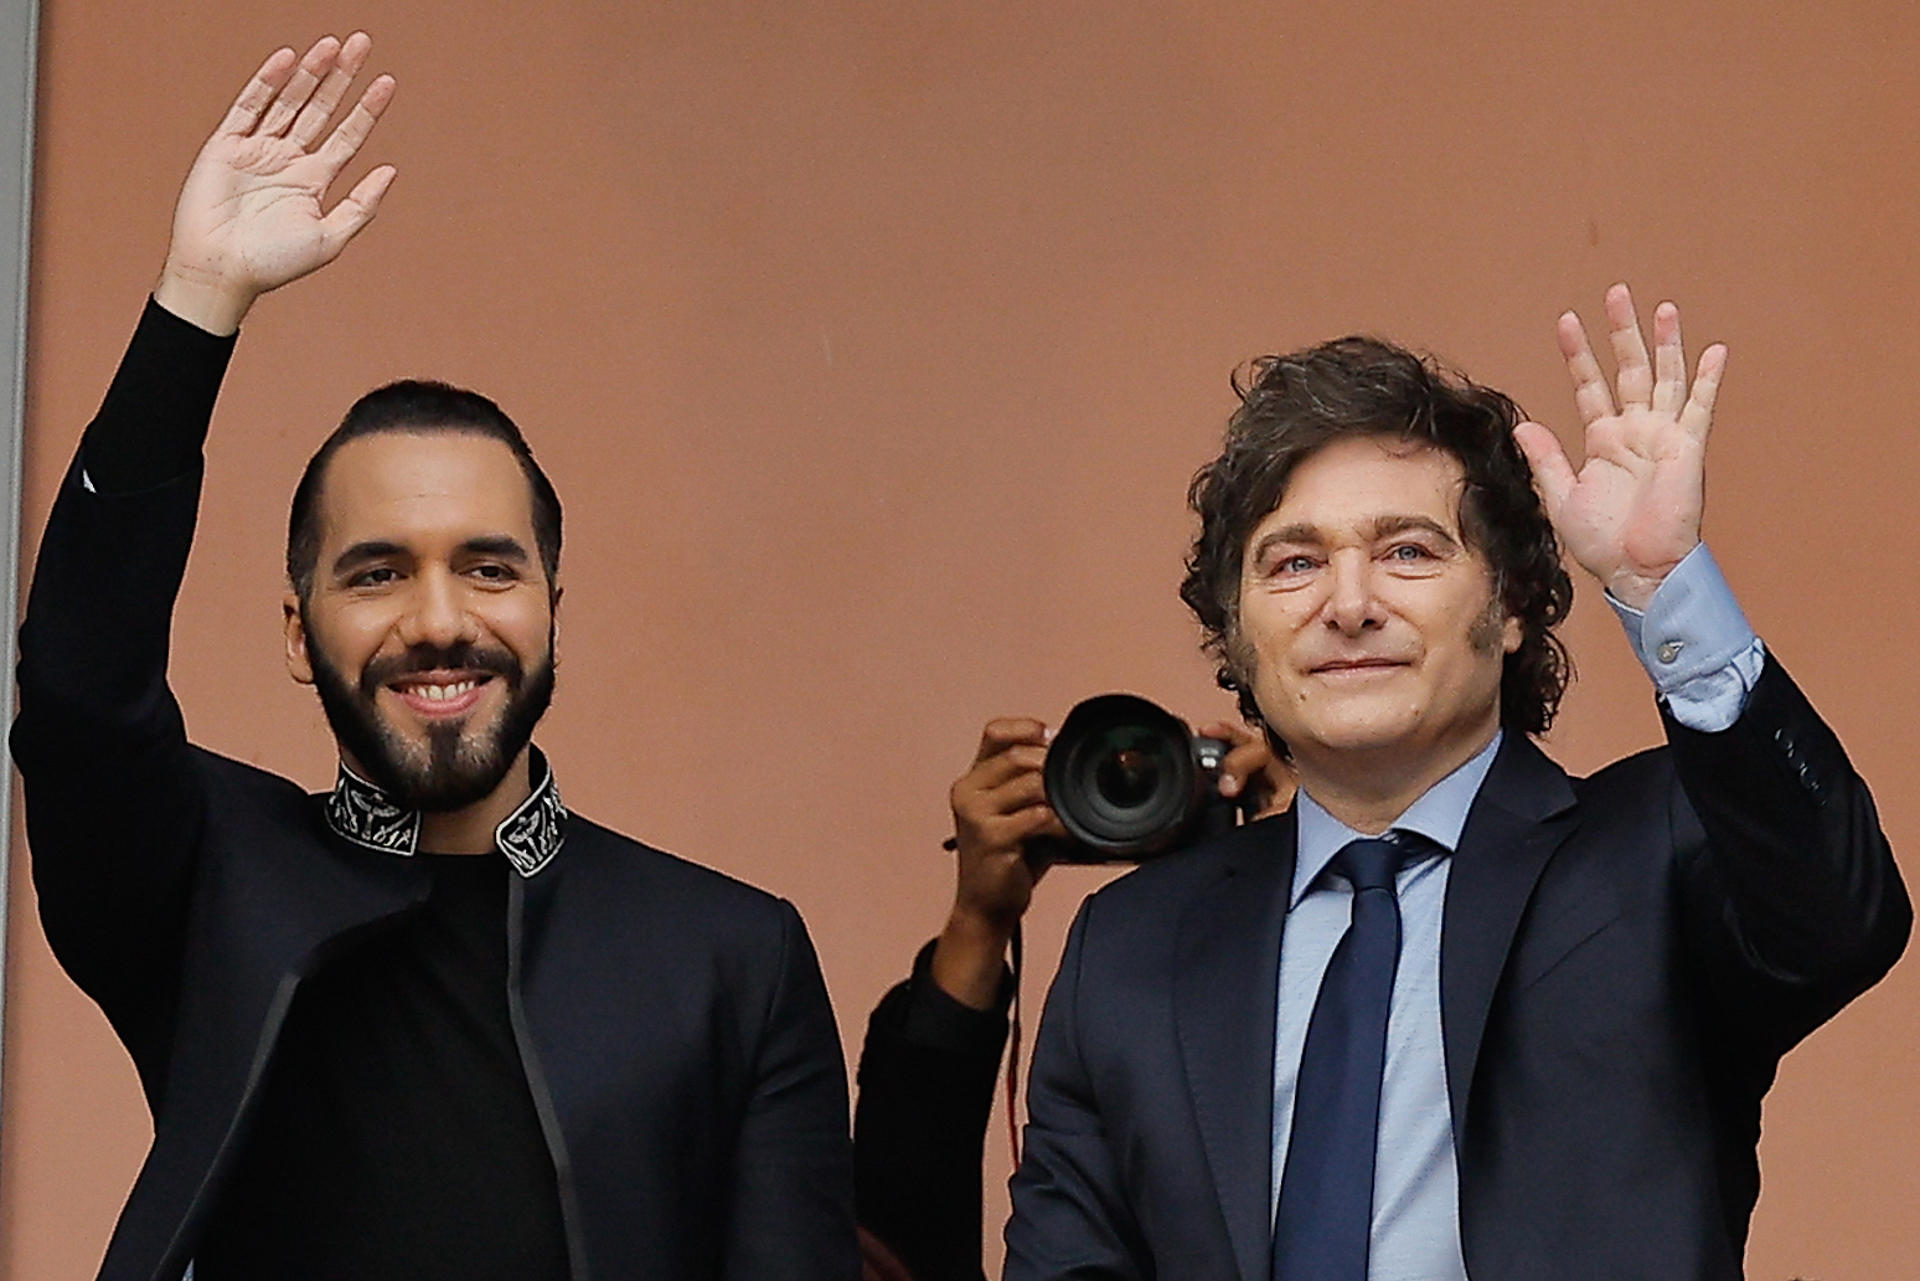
(1632, 510)
(249, 217)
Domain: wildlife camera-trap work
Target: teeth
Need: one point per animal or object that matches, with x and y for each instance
(441, 693)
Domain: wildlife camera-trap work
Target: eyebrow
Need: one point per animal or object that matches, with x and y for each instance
(362, 552)
(1388, 526)
(504, 546)
(1383, 527)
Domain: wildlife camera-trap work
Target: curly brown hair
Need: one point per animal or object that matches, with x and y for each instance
(1292, 406)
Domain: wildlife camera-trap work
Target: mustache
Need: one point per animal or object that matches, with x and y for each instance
(465, 656)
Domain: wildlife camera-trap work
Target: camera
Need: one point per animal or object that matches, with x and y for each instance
(1130, 782)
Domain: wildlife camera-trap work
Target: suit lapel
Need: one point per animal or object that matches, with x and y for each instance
(1520, 817)
(1226, 980)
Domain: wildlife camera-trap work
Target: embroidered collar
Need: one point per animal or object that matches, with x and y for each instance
(359, 812)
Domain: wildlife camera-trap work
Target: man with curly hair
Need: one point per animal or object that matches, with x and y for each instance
(1457, 1013)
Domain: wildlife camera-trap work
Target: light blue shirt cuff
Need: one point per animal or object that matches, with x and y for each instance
(1696, 644)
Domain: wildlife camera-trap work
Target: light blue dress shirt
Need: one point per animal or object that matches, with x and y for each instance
(1704, 658)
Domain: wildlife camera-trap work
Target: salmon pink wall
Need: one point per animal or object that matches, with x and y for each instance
(872, 345)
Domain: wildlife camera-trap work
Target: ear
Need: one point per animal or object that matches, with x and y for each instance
(1511, 635)
(554, 631)
(299, 664)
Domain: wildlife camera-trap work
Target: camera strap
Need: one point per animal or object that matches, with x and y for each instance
(1013, 1051)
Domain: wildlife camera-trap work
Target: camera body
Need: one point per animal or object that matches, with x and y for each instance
(1131, 782)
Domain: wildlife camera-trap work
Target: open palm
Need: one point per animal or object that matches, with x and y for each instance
(249, 217)
(1632, 511)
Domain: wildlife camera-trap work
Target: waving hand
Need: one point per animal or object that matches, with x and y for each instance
(249, 218)
(1632, 510)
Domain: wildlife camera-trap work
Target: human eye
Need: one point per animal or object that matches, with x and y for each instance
(374, 576)
(1414, 557)
(1287, 564)
(493, 573)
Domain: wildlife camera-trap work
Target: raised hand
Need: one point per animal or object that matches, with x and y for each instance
(249, 218)
(999, 804)
(1632, 511)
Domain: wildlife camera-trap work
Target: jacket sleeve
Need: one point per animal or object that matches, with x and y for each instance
(114, 801)
(926, 1075)
(1795, 901)
(1070, 1215)
(791, 1213)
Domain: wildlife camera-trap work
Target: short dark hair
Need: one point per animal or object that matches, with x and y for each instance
(1294, 405)
(419, 406)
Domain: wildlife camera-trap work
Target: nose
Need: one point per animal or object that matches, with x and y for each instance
(1352, 607)
(437, 614)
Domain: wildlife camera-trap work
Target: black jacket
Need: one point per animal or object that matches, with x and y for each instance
(919, 1128)
(672, 1022)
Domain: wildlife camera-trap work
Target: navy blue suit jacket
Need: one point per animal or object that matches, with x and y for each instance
(1624, 959)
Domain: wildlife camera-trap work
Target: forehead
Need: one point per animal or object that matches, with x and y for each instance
(417, 488)
(1354, 482)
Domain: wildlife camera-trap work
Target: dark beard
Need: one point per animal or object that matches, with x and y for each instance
(454, 772)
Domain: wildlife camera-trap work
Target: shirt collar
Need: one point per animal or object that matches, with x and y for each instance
(529, 837)
(1439, 815)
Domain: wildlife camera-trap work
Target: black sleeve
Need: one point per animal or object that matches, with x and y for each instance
(926, 1075)
(113, 795)
(153, 422)
(1796, 903)
(790, 1217)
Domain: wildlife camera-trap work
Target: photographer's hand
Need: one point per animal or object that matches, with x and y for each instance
(998, 805)
(1251, 768)
(249, 219)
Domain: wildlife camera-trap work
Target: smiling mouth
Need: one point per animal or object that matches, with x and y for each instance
(441, 695)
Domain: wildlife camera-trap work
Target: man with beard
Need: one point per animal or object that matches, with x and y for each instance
(429, 1024)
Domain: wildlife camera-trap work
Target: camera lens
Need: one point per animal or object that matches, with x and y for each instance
(1127, 777)
(1121, 776)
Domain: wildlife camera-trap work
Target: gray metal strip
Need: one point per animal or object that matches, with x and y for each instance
(19, 45)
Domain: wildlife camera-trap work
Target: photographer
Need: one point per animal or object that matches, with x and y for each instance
(935, 1040)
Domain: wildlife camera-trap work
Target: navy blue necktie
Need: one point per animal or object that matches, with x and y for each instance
(1326, 1188)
